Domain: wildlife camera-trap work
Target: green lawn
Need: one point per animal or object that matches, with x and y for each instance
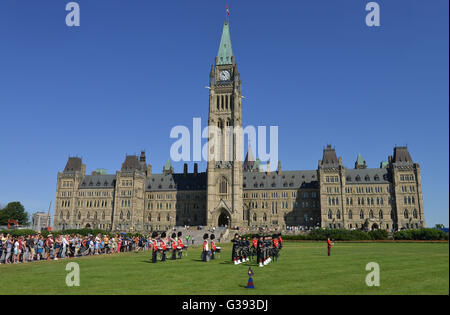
(303, 268)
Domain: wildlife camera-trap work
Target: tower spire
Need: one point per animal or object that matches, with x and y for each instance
(225, 49)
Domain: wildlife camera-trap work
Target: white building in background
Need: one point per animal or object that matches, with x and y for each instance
(40, 220)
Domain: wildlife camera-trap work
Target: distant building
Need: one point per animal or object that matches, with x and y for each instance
(40, 220)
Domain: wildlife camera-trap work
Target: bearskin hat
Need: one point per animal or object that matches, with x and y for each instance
(163, 234)
(212, 236)
(173, 235)
(155, 234)
(205, 236)
(179, 234)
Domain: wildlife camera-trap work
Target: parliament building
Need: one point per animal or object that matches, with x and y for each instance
(236, 193)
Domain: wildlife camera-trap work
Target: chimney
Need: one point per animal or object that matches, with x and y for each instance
(279, 167)
(195, 168)
(268, 167)
(149, 170)
(185, 169)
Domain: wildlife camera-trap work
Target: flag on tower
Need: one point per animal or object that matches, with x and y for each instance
(228, 11)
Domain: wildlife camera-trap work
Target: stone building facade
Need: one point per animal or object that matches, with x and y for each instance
(233, 193)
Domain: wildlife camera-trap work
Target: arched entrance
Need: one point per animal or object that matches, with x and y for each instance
(374, 227)
(224, 219)
(88, 226)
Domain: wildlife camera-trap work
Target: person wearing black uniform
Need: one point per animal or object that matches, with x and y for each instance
(234, 249)
(260, 251)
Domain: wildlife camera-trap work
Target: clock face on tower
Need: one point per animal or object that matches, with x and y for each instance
(224, 75)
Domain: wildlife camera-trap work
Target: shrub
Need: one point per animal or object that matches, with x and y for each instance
(421, 234)
(16, 233)
(379, 235)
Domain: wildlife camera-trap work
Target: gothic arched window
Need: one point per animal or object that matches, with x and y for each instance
(330, 214)
(128, 215)
(415, 214)
(350, 214)
(361, 214)
(223, 186)
(406, 214)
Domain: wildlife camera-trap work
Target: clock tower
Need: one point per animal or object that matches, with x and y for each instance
(224, 188)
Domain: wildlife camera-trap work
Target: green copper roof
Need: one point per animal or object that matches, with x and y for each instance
(101, 171)
(360, 160)
(384, 164)
(225, 50)
(257, 165)
(168, 166)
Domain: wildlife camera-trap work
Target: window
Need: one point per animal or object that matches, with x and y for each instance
(406, 214)
(361, 215)
(338, 214)
(415, 214)
(371, 214)
(380, 214)
(350, 214)
(330, 214)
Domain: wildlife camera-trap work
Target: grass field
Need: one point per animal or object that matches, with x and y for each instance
(303, 268)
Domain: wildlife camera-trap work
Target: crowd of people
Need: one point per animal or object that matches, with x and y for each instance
(29, 248)
(22, 249)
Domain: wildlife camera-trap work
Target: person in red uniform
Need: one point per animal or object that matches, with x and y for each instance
(174, 244)
(213, 245)
(329, 246)
(205, 252)
(154, 243)
(280, 241)
(180, 245)
(163, 244)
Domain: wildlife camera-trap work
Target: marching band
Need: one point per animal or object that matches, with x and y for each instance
(160, 244)
(262, 248)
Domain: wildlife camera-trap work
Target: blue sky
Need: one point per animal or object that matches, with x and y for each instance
(136, 68)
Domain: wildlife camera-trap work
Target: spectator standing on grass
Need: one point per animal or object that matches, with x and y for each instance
(39, 247)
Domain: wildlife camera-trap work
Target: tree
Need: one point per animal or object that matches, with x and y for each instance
(440, 226)
(13, 210)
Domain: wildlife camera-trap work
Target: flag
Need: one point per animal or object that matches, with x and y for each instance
(228, 11)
